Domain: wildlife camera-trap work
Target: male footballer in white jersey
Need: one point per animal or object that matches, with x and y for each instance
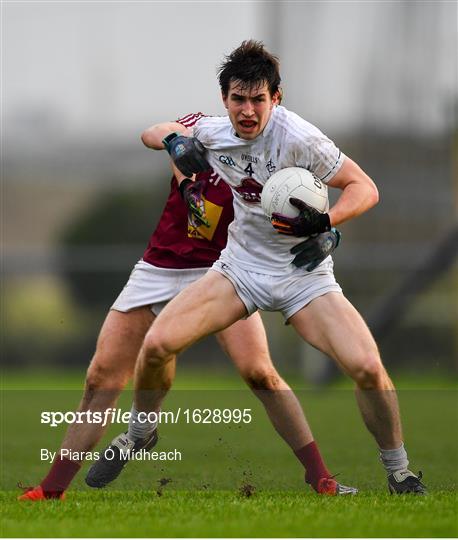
(262, 266)
(180, 251)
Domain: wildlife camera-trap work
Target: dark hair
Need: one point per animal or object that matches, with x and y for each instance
(252, 65)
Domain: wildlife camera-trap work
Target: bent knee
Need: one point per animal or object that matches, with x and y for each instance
(107, 373)
(157, 351)
(263, 379)
(370, 373)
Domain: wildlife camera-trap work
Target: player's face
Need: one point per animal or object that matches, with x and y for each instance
(249, 108)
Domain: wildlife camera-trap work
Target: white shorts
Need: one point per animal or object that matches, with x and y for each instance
(152, 286)
(287, 294)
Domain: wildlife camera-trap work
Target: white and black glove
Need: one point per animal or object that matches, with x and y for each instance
(315, 249)
(187, 153)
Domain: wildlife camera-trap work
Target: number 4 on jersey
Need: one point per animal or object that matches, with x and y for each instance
(249, 169)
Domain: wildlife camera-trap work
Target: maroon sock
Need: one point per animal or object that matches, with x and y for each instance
(59, 477)
(311, 459)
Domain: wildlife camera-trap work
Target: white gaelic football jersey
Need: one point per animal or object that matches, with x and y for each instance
(287, 141)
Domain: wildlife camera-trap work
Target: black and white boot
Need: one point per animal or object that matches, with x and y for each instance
(114, 458)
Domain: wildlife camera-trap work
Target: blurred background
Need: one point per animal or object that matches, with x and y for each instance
(81, 195)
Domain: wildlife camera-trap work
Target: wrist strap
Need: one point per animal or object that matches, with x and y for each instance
(338, 235)
(325, 222)
(167, 140)
(184, 185)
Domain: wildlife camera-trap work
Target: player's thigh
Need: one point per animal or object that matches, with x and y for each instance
(245, 342)
(202, 308)
(119, 342)
(333, 325)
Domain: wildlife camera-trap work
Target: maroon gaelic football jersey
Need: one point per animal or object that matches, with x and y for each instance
(177, 242)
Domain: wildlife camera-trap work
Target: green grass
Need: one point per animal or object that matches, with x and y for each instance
(227, 514)
(203, 499)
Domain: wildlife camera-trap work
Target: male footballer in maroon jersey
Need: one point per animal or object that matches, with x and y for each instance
(180, 251)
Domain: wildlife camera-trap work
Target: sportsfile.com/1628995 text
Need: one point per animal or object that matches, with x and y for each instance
(117, 416)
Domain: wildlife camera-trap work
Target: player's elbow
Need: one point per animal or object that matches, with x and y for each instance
(372, 194)
(153, 136)
(149, 139)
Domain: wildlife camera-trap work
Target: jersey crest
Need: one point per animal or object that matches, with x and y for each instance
(250, 190)
(213, 212)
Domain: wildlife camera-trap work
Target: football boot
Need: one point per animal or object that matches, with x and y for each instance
(406, 482)
(114, 458)
(329, 486)
(37, 494)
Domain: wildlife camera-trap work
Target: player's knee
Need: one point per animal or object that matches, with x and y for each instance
(262, 379)
(101, 375)
(156, 351)
(371, 374)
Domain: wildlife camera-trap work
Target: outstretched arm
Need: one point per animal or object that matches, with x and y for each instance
(186, 151)
(153, 136)
(187, 157)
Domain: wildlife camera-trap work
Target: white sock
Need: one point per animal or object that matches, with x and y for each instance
(394, 460)
(139, 428)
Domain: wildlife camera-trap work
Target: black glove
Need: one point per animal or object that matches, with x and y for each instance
(315, 249)
(308, 222)
(187, 153)
(192, 195)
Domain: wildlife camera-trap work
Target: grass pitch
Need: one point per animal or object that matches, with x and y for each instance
(227, 514)
(208, 495)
